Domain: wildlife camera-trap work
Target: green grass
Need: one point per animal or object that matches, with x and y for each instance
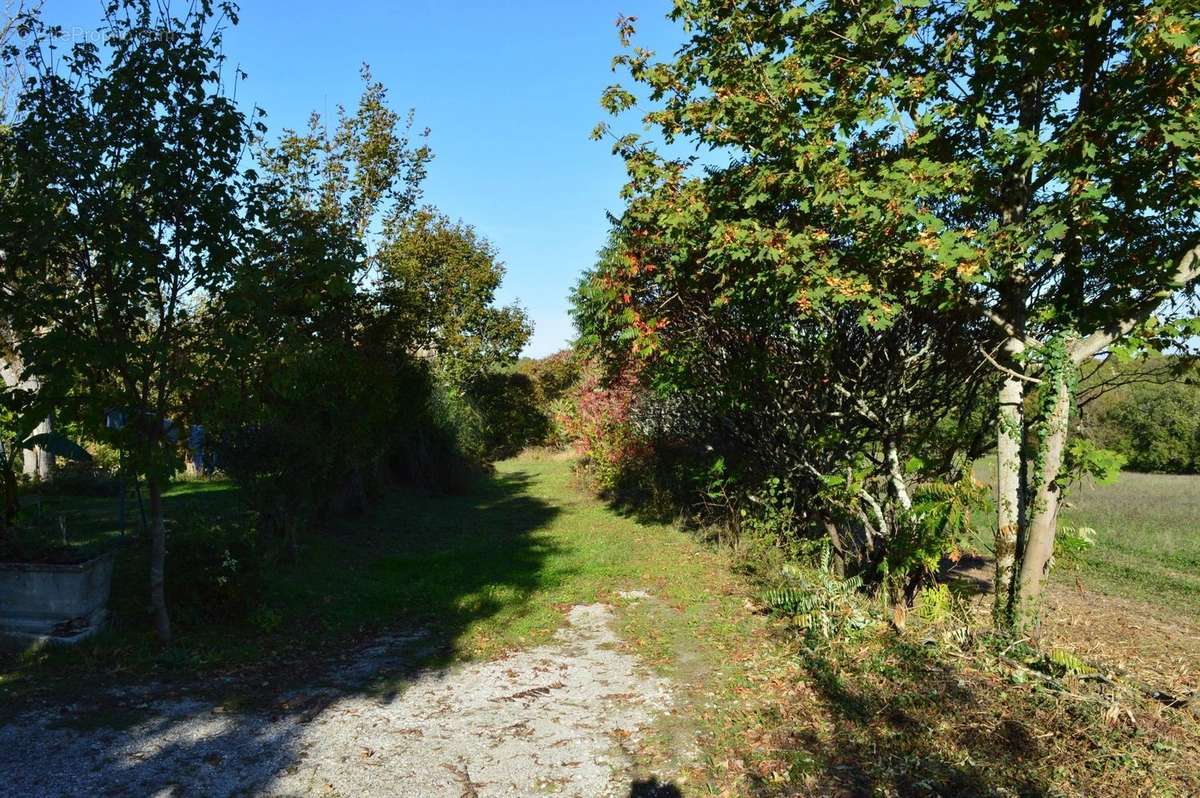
(492, 569)
(1148, 544)
(92, 524)
(874, 713)
(1148, 536)
(486, 572)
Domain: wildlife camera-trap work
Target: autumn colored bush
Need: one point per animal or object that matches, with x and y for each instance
(600, 420)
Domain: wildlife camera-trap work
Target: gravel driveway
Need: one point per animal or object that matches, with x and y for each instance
(559, 719)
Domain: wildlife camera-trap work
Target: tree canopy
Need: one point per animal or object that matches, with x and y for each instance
(172, 272)
(1011, 185)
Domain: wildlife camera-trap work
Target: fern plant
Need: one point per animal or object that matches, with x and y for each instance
(819, 602)
(1071, 543)
(937, 525)
(1062, 662)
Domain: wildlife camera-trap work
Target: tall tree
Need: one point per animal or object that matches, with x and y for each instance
(438, 282)
(12, 69)
(123, 215)
(1036, 163)
(312, 379)
(1084, 140)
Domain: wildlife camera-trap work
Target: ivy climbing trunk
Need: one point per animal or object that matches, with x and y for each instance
(1010, 437)
(1047, 498)
(158, 560)
(1010, 479)
(1009, 427)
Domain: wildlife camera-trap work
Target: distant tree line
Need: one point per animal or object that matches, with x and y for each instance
(1148, 411)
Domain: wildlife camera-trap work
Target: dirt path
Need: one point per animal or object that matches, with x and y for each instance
(561, 719)
(1123, 635)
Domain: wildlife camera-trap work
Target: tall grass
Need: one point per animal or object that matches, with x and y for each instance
(1148, 542)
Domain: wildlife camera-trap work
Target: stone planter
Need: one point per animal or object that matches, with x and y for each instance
(49, 603)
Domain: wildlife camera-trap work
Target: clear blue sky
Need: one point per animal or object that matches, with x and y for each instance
(509, 88)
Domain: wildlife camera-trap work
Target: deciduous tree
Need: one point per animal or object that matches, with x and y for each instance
(438, 282)
(123, 213)
(1033, 163)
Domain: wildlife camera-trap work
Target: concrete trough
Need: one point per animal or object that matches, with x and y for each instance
(52, 603)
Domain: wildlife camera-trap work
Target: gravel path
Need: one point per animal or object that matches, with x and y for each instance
(559, 719)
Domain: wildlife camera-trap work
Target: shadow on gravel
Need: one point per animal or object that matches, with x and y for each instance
(433, 567)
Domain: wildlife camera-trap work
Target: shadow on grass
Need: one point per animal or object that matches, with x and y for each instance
(913, 725)
(370, 604)
(653, 788)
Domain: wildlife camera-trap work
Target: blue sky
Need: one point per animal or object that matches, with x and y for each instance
(510, 90)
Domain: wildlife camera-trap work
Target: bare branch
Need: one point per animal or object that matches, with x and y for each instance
(1002, 323)
(1007, 370)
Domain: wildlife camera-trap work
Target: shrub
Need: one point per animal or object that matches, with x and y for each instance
(600, 422)
(441, 447)
(80, 479)
(555, 379)
(216, 568)
(1071, 544)
(316, 439)
(935, 603)
(509, 411)
(820, 603)
(938, 525)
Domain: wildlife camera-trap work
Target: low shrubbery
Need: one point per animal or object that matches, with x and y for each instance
(818, 602)
(219, 562)
(653, 454)
(80, 479)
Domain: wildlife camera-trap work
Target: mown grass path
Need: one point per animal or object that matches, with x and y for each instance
(490, 570)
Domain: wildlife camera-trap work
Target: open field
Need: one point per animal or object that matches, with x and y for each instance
(1147, 543)
(1148, 537)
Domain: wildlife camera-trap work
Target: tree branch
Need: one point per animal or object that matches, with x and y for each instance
(1186, 271)
(1004, 325)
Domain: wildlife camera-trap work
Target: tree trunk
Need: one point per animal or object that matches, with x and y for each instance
(158, 559)
(11, 501)
(35, 462)
(39, 462)
(1047, 497)
(1009, 491)
(896, 476)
